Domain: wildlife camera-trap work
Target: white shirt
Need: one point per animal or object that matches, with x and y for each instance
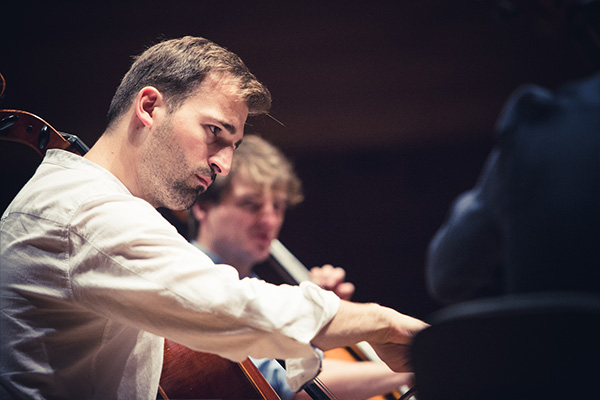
(92, 278)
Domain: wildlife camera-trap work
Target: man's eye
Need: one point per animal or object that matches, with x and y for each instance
(214, 129)
(250, 206)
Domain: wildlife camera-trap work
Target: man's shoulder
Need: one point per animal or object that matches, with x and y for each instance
(62, 183)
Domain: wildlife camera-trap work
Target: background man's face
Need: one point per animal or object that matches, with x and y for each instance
(246, 221)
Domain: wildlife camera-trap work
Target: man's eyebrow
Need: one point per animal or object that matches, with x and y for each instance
(232, 131)
(230, 128)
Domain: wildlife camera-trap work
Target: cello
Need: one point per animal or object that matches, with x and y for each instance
(189, 374)
(24, 140)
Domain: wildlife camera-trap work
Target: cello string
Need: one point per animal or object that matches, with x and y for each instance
(409, 393)
(324, 388)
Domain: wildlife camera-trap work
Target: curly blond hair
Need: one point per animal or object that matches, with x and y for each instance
(258, 161)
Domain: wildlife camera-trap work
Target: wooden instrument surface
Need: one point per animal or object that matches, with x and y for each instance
(189, 374)
(24, 140)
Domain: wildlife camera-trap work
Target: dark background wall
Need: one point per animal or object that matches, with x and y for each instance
(387, 107)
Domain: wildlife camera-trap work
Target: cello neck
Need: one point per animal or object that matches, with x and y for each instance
(289, 263)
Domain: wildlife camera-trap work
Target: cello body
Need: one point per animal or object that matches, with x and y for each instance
(189, 374)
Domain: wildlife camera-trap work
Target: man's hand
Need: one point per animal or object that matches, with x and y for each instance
(395, 347)
(332, 278)
(394, 355)
(389, 332)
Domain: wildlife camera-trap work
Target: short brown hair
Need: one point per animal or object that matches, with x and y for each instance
(177, 67)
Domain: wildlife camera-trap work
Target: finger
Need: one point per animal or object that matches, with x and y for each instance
(327, 276)
(333, 276)
(345, 290)
(396, 356)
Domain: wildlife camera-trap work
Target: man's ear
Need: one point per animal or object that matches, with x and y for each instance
(148, 100)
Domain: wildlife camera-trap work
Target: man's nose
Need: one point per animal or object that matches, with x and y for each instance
(220, 162)
(270, 215)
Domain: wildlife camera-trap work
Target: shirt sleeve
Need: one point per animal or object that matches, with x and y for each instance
(133, 267)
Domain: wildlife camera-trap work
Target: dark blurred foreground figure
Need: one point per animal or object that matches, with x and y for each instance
(532, 222)
(519, 254)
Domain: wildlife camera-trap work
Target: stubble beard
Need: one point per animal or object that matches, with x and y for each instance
(178, 194)
(163, 169)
